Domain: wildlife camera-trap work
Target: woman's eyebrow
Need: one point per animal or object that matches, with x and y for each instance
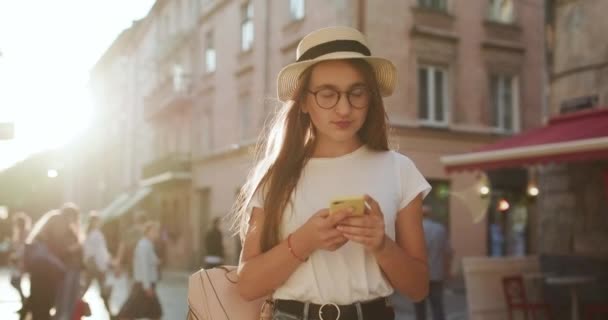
(324, 86)
(331, 86)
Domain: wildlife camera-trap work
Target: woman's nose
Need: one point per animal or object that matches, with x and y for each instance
(343, 107)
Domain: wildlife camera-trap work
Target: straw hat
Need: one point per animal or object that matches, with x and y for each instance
(334, 43)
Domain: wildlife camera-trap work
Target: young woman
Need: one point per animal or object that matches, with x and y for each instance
(97, 258)
(329, 140)
(143, 301)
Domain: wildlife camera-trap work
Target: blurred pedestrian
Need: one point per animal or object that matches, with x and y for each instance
(68, 247)
(42, 263)
(214, 245)
(20, 229)
(97, 259)
(439, 257)
(126, 247)
(143, 300)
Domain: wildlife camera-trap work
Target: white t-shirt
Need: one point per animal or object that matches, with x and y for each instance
(349, 274)
(95, 247)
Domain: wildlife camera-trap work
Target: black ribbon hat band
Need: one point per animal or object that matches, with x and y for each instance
(334, 46)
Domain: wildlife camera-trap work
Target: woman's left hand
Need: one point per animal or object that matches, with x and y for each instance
(367, 229)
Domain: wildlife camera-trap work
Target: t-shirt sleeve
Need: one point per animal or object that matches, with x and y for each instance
(412, 181)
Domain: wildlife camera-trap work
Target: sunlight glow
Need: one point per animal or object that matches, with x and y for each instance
(45, 65)
(52, 173)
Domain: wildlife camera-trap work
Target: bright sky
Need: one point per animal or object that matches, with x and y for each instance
(48, 49)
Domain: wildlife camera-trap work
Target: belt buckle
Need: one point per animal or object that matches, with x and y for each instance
(328, 304)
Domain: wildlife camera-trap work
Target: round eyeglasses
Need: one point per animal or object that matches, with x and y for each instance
(327, 98)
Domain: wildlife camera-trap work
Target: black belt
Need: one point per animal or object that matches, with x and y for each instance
(378, 309)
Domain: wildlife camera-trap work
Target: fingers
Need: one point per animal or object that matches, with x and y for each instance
(331, 234)
(333, 243)
(357, 230)
(337, 244)
(363, 221)
(364, 240)
(373, 204)
(323, 213)
(337, 217)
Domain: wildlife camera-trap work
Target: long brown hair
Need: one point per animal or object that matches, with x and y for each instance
(284, 151)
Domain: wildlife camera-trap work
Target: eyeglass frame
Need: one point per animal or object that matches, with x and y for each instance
(340, 93)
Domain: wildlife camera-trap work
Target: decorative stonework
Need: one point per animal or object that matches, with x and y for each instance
(572, 209)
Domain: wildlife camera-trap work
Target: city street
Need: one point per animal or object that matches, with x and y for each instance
(172, 291)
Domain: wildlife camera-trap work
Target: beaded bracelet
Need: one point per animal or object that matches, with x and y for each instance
(291, 249)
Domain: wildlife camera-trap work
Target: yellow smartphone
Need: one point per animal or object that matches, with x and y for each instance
(357, 203)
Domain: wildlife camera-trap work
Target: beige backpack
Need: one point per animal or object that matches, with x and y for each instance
(213, 295)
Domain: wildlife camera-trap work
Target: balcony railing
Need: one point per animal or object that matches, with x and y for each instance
(169, 94)
(173, 162)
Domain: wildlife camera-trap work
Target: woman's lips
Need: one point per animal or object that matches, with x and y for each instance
(342, 124)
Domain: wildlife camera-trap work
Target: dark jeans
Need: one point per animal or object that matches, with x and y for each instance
(42, 294)
(436, 300)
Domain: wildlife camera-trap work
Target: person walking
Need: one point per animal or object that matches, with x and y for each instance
(130, 238)
(440, 257)
(215, 246)
(143, 301)
(52, 258)
(97, 259)
(68, 247)
(330, 140)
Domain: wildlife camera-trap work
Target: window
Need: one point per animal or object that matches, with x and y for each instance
(501, 11)
(245, 116)
(432, 95)
(440, 5)
(503, 102)
(296, 9)
(210, 62)
(246, 26)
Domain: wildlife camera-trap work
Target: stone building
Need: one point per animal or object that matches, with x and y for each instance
(567, 159)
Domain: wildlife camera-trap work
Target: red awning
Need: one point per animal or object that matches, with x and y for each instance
(580, 136)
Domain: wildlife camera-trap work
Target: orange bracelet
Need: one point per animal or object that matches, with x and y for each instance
(291, 249)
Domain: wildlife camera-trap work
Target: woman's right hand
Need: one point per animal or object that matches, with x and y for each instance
(320, 232)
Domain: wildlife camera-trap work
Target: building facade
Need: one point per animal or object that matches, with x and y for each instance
(204, 84)
(571, 211)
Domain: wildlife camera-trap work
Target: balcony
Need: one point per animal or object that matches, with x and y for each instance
(173, 164)
(171, 94)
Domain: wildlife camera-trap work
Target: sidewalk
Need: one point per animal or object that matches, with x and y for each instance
(172, 292)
